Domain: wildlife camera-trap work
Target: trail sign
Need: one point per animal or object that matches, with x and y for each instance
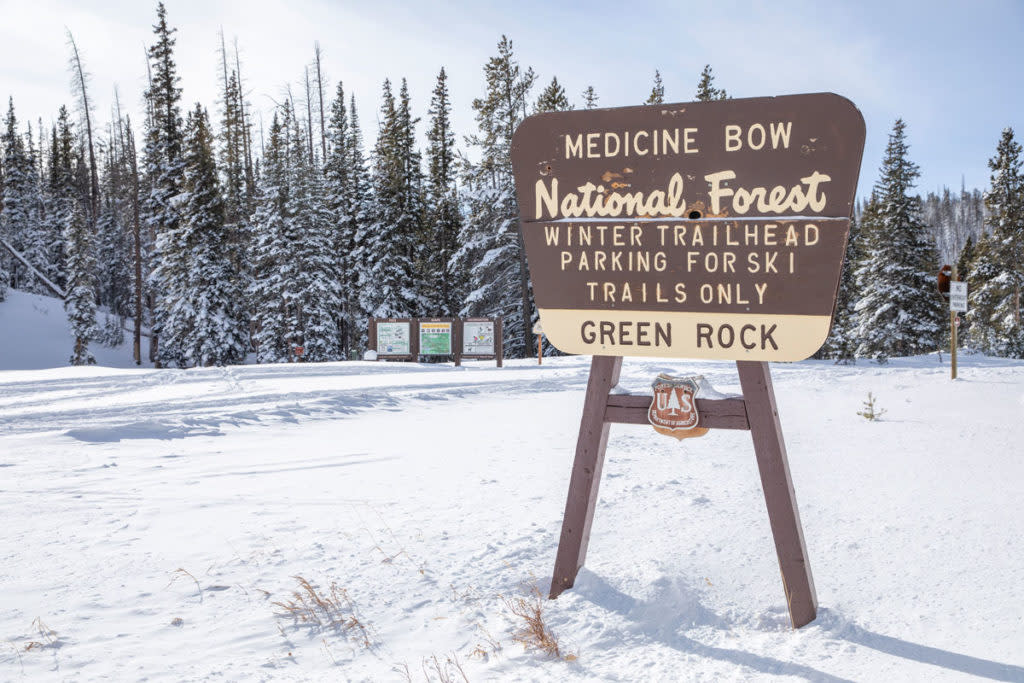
(698, 230)
(958, 297)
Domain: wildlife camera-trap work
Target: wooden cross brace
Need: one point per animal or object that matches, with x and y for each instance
(755, 411)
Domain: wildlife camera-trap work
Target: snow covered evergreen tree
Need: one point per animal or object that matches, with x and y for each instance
(271, 258)
(359, 193)
(657, 95)
(163, 168)
(393, 244)
(232, 165)
(706, 90)
(491, 247)
(80, 302)
(21, 216)
(207, 322)
(34, 242)
(113, 228)
(997, 269)
(898, 313)
(338, 183)
(552, 98)
(316, 289)
(60, 190)
(296, 287)
(443, 285)
(842, 341)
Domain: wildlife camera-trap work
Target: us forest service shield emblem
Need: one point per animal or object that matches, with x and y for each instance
(673, 410)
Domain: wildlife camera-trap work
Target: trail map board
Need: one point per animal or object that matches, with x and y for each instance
(436, 337)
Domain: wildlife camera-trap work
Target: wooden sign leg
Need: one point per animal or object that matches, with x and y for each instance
(766, 431)
(586, 474)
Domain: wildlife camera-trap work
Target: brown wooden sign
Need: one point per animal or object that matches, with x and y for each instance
(697, 230)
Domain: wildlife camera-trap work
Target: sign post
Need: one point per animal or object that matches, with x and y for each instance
(957, 304)
(701, 230)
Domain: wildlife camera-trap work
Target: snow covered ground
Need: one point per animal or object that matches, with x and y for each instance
(152, 519)
(34, 334)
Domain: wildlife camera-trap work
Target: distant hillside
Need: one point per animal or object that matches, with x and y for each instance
(34, 334)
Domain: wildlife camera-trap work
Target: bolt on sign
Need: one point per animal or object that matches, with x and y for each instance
(673, 410)
(699, 230)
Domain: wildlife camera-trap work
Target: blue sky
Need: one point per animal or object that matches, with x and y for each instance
(951, 71)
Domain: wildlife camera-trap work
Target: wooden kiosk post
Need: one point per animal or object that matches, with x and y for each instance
(705, 230)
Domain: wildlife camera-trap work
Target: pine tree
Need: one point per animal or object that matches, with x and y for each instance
(60, 190)
(210, 325)
(442, 284)
(357, 228)
(898, 312)
(706, 90)
(163, 164)
(271, 253)
(17, 214)
(997, 270)
(317, 283)
(80, 302)
(552, 98)
(296, 288)
(491, 248)
(389, 287)
(657, 95)
(590, 98)
(340, 202)
(112, 234)
(842, 341)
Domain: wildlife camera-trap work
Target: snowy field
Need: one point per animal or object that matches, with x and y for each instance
(154, 523)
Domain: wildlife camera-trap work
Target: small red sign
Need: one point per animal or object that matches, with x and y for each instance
(673, 409)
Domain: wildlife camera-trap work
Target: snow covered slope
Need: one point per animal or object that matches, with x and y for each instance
(154, 521)
(34, 334)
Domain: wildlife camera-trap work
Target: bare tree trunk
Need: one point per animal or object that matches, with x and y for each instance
(524, 289)
(229, 132)
(250, 179)
(309, 116)
(320, 92)
(136, 247)
(80, 80)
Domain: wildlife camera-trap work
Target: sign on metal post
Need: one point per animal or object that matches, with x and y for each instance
(697, 230)
(958, 297)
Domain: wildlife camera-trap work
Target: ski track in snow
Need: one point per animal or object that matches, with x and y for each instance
(153, 518)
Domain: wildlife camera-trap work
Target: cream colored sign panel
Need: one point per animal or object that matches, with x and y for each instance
(720, 336)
